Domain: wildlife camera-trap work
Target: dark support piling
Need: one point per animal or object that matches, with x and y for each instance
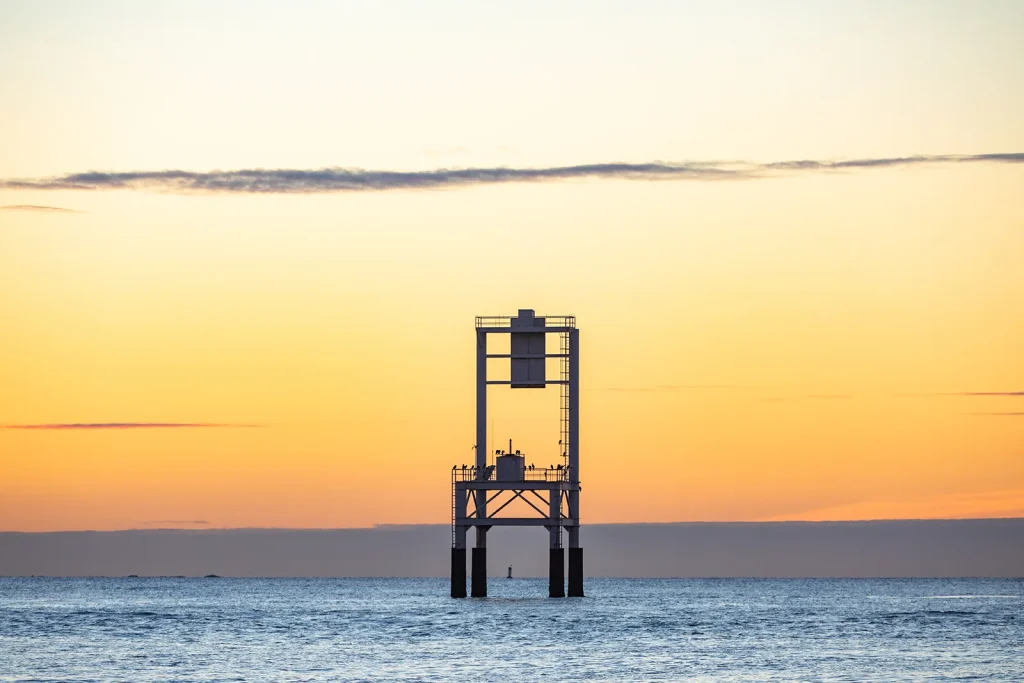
(556, 573)
(575, 572)
(479, 579)
(458, 572)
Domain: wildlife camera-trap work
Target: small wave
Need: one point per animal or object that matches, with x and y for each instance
(929, 613)
(968, 597)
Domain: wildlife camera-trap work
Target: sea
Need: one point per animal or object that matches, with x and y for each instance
(225, 629)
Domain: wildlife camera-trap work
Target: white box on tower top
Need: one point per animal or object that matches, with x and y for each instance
(528, 350)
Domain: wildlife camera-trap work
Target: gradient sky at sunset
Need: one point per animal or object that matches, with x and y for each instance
(802, 344)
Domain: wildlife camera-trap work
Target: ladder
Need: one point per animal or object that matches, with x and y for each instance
(564, 388)
(565, 395)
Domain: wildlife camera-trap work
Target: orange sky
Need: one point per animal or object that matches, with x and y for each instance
(809, 346)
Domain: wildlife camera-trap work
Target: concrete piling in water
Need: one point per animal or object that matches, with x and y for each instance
(458, 572)
(479, 578)
(556, 573)
(575, 572)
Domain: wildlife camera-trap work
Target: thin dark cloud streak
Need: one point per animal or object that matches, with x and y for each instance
(884, 162)
(674, 387)
(336, 179)
(1011, 414)
(123, 425)
(1003, 394)
(38, 208)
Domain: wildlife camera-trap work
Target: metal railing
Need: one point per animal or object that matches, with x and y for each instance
(471, 473)
(568, 321)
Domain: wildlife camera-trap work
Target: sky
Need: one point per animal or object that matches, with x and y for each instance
(242, 246)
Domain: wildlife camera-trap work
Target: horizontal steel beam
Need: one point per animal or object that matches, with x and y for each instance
(527, 355)
(512, 485)
(514, 521)
(508, 381)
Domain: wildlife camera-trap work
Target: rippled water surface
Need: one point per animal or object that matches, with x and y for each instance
(408, 629)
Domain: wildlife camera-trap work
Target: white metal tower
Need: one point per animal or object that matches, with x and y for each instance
(552, 492)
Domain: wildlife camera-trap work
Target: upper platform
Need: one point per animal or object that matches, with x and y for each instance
(525, 321)
(488, 475)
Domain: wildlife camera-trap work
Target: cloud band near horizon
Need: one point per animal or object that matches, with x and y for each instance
(124, 425)
(336, 179)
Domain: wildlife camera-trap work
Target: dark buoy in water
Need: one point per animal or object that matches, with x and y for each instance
(509, 572)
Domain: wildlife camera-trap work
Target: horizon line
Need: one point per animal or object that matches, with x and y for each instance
(394, 526)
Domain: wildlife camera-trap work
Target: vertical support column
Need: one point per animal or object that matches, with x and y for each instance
(481, 404)
(575, 551)
(575, 572)
(556, 560)
(479, 576)
(481, 432)
(459, 572)
(556, 573)
(478, 587)
(574, 434)
(459, 544)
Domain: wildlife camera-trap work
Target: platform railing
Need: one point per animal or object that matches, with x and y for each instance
(471, 473)
(568, 321)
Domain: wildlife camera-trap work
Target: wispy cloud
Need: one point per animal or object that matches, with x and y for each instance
(1004, 394)
(675, 387)
(182, 522)
(698, 387)
(39, 208)
(336, 179)
(1002, 503)
(882, 162)
(1001, 414)
(124, 425)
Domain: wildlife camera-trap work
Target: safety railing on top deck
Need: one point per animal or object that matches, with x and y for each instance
(470, 473)
(565, 321)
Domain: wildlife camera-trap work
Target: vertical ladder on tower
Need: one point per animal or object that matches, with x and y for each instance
(564, 392)
(564, 389)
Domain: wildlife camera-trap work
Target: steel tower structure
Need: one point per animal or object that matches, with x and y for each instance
(553, 492)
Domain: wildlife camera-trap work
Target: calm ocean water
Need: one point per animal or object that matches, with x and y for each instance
(408, 629)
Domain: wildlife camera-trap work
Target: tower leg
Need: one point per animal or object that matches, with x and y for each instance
(458, 572)
(556, 573)
(575, 572)
(479, 579)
